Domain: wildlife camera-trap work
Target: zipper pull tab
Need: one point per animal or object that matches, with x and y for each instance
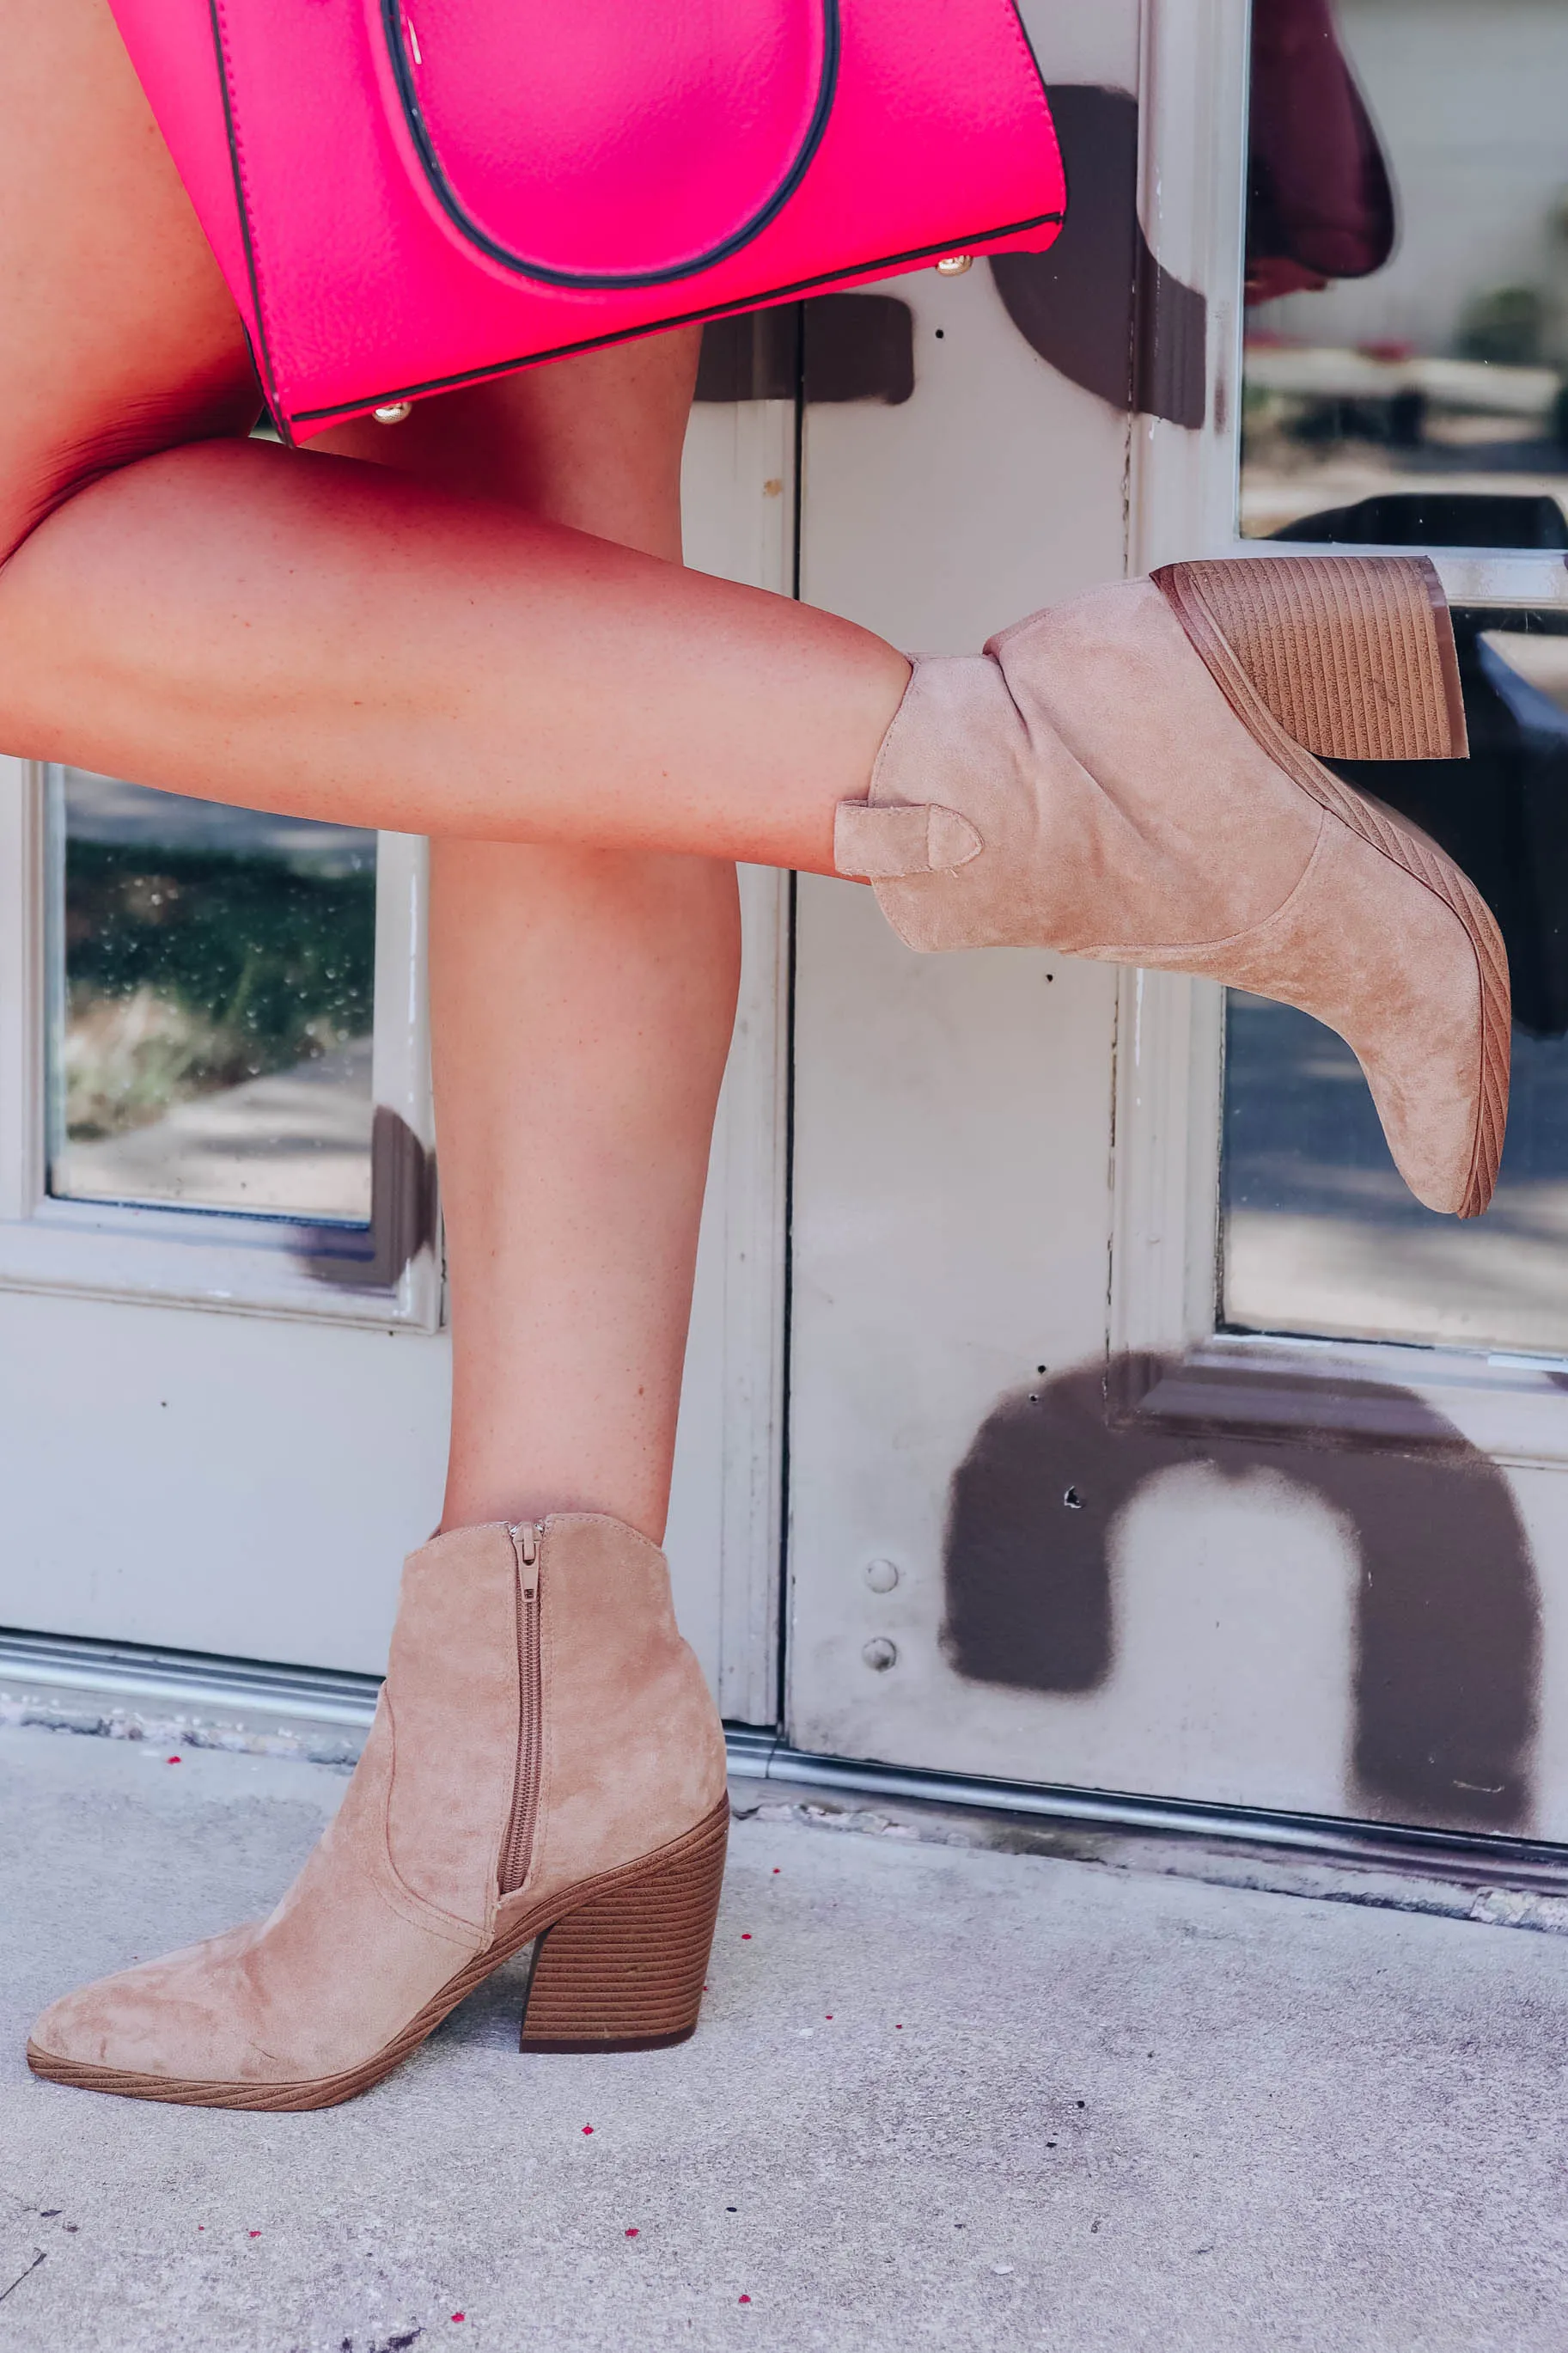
(525, 1536)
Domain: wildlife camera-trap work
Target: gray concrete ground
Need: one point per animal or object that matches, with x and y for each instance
(939, 2096)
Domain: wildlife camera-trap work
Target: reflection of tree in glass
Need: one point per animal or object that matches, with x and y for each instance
(1505, 326)
(191, 971)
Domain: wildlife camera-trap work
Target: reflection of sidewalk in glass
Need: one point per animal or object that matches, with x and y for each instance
(294, 1144)
(1346, 1276)
(1320, 1235)
(1540, 661)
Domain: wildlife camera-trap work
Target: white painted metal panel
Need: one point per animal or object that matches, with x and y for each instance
(952, 1113)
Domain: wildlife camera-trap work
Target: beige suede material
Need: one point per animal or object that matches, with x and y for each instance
(1365, 949)
(329, 1978)
(453, 1684)
(1128, 814)
(1122, 805)
(633, 1751)
(895, 841)
(400, 1893)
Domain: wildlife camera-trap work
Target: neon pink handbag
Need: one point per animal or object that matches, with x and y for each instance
(408, 195)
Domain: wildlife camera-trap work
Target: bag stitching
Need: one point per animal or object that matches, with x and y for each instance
(886, 265)
(242, 203)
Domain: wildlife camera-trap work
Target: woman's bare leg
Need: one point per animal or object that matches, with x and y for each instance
(316, 635)
(311, 635)
(117, 335)
(583, 1002)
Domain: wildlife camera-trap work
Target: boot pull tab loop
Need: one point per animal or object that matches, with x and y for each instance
(882, 845)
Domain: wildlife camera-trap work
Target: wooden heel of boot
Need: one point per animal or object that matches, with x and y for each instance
(1354, 655)
(624, 1971)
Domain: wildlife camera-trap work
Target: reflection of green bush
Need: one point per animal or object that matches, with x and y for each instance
(1506, 325)
(190, 970)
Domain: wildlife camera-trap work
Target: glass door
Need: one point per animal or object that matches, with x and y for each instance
(1190, 1458)
(1421, 401)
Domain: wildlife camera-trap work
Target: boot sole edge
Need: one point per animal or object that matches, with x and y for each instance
(329, 2090)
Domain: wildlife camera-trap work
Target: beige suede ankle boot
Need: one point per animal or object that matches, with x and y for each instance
(545, 1763)
(1131, 776)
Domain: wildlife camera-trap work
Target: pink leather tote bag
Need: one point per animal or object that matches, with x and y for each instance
(409, 195)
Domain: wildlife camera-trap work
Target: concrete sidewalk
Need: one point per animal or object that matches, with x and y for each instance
(939, 2096)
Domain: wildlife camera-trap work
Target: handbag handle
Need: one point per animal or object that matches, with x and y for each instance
(404, 58)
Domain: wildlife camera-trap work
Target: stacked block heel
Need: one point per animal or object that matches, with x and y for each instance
(1353, 656)
(624, 1971)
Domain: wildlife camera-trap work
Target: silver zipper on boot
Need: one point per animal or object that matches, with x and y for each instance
(516, 1849)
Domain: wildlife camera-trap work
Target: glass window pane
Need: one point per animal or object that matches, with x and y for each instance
(1407, 273)
(1320, 1233)
(1320, 1236)
(213, 976)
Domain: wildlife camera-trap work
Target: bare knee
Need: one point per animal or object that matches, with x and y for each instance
(41, 469)
(117, 336)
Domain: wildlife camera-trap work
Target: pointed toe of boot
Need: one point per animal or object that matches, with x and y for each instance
(151, 2029)
(1379, 942)
(1138, 776)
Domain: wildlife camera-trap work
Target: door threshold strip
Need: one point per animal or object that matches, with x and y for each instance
(128, 1691)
